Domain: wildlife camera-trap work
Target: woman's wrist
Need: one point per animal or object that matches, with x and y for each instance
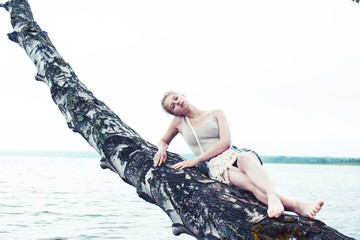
(163, 144)
(198, 160)
(162, 149)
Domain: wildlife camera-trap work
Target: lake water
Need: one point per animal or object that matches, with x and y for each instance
(73, 198)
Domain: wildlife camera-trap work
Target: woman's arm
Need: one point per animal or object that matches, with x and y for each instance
(223, 144)
(164, 142)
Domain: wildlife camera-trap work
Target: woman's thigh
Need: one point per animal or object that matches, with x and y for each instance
(240, 179)
(246, 159)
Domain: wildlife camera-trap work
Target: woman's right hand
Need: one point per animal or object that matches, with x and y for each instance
(159, 158)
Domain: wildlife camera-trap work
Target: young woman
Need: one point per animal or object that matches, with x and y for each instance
(208, 135)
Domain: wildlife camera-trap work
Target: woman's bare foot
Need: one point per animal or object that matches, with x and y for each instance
(308, 209)
(275, 207)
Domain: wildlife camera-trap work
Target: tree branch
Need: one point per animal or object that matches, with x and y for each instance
(196, 204)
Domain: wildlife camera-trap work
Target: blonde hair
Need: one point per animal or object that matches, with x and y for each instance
(166, 94)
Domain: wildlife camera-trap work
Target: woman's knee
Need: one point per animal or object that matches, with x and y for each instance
(244, 158)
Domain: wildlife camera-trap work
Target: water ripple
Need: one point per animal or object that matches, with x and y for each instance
(60, 202)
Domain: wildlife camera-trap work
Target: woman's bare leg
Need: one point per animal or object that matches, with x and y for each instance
(242, 181)
(250, 164)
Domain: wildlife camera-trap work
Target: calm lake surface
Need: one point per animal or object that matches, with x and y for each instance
(73, 198)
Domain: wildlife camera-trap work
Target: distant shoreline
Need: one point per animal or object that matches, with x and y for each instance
(302, 160)
(265, 159)
(65, 154)
(311, 160)
(335, 163)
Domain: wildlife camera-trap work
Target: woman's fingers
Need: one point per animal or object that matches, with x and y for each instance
(186, 164)
(179, 165)
(159, 158)
(155, 159)
(176, 166)
(156, 162)
(162, 159)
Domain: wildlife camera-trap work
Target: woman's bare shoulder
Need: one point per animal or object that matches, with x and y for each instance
(176, 122)
(218, 113)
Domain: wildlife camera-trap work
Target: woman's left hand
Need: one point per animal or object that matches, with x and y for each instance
(186, 164)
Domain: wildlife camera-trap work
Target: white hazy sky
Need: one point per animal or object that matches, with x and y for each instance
(285, 72)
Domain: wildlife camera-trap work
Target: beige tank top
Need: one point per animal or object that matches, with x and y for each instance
(208, 135)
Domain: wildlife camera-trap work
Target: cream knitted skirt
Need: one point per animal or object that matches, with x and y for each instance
(217, 166)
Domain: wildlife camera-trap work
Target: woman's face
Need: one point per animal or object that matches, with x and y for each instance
(178, 104)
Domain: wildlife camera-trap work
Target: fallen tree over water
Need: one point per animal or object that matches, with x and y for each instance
(196, 205)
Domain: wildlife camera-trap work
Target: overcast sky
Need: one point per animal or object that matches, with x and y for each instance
(285, 72)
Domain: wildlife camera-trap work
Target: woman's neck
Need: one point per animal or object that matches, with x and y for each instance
(195, 112)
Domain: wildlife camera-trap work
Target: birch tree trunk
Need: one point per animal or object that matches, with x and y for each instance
(196, 204)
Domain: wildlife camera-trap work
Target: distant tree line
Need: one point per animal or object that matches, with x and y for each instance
(310, 160)
(303, 160)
